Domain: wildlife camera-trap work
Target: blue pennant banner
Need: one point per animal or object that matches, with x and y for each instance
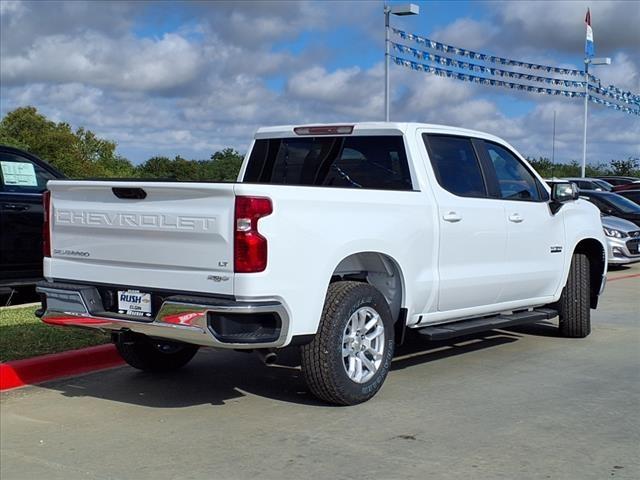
(465, 77)
(612, 92)
(620, 95)
(474, 67)
(441, 47)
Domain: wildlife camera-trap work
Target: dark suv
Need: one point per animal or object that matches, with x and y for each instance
(23, 178)
(613, 204)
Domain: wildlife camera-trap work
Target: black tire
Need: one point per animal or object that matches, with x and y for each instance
(574, 309)
(322, 360)
(145, 353)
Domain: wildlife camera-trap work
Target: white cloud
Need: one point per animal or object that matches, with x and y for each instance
(204, 84)
(467, 32)
(623, 72)
(559, 25)
(95, 59)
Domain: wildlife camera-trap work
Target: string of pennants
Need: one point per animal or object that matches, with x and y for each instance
(474, 67)
(441, 72)
(612, 92)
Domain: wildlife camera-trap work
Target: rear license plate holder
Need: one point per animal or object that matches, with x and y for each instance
(134, 303)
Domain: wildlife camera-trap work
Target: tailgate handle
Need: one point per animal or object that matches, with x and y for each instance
(129, 193)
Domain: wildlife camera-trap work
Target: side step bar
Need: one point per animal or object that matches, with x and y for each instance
(475, 325)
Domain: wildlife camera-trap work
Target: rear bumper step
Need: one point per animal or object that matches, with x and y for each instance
(476, 325)
(205, 321)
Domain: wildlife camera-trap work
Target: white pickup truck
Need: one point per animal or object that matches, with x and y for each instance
(336, 238)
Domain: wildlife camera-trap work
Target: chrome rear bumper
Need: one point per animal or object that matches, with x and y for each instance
(180, 318)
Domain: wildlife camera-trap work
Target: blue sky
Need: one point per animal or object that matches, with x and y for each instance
(189, 78)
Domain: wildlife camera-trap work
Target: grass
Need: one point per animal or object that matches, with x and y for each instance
(23, 335)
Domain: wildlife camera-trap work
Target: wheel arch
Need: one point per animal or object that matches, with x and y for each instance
(378, 269)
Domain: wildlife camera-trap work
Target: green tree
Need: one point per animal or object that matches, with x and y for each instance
(76, 154)
(628, 167)
(542, 165)
(224, 165)
(156, 167)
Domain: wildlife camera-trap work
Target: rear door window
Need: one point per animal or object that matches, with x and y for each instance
(456, 165)
(378, 162)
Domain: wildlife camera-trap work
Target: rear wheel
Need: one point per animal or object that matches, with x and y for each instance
(349, 358)
(574, 307)
(148, 354)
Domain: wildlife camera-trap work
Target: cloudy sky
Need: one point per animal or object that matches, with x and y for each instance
(190, 78)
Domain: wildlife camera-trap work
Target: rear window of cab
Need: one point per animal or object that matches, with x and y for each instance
(369, 162)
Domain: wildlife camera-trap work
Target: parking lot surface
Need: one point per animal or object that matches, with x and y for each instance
(521, 403)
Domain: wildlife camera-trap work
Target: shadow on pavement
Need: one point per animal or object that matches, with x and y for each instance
(217, 377)
(618, 268)
(539, 329)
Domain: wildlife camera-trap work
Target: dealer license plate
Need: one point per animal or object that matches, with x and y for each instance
(134, 302)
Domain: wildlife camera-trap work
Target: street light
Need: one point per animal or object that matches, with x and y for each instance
(400, 10)
(587, 61)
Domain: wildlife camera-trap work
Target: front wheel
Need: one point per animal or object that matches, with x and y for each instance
(574, 307)
(350, 356)
(145, 353)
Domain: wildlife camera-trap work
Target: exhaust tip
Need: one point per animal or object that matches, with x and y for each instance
(268, 357)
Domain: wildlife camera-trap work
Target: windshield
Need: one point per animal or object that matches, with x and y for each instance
(623, 204)
(606, 186)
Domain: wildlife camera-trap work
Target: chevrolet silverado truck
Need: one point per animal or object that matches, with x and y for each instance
(336, 239)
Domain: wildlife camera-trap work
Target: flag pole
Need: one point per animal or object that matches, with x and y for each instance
(553, 140)
(586, 107)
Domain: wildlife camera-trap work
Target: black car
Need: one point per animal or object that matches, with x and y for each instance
(633, 195)
(618, 180)
(613, 204)
(23, 178)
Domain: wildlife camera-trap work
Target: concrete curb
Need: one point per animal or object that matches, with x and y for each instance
(31, 371)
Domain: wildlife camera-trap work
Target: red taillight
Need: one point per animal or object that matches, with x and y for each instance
(249, 246)
(46, 224)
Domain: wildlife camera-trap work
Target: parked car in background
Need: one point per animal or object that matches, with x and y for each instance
(622, 183)
(623, 240)
(618, 180)
(23, 178)
(633, 195)
(626, 186)
(590, 184)
(613, 204)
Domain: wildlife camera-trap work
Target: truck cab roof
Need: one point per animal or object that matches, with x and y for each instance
(374, 128)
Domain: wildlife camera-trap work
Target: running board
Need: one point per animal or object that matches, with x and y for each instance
(475, 325)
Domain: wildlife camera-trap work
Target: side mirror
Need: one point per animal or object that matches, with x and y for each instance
(562, 192)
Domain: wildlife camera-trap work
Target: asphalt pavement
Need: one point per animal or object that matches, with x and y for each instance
(509, 404)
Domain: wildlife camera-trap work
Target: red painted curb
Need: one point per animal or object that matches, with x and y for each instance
(40, 369)
(633, 275)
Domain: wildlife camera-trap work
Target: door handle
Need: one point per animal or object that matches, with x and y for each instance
(15, 207)
(516, 218)
(452, 217)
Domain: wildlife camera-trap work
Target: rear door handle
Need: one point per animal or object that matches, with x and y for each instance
(516, 218)
(15, 207)
(452, 217)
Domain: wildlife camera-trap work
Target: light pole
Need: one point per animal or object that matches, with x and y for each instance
(400, 10)
(587, 61)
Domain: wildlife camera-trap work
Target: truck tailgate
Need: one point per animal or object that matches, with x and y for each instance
(171, 236)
